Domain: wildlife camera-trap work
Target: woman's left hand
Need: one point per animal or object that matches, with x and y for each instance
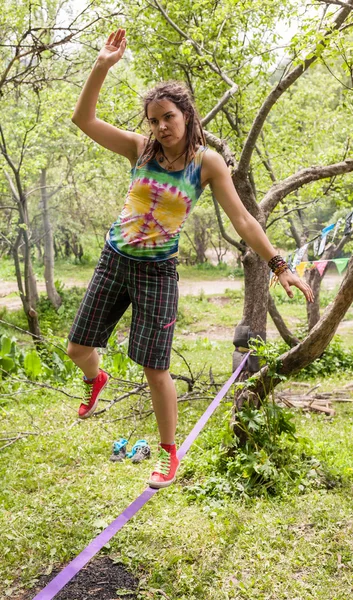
(287, 278)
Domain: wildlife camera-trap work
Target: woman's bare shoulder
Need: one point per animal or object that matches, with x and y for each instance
(213, 163)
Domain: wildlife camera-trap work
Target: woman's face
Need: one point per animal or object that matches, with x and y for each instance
(167, 122)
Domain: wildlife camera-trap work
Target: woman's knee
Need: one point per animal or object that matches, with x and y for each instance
(76, 351)
(157, 377)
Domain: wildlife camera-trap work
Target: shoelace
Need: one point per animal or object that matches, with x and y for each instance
(87, 392)
(139, 444)
(163, 463)
(119, 445)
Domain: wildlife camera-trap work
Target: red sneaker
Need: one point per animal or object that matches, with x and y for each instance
(91, 394)
(166, 468)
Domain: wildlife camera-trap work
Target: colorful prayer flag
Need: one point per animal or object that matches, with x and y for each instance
(301, 268)
(321, 265)
(341, 264)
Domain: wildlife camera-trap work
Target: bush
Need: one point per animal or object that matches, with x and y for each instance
(336, 358)
(274, 461)
(47, 363)
(59, 321)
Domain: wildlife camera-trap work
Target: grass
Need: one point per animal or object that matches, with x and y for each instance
(59, 489)
(66, 269)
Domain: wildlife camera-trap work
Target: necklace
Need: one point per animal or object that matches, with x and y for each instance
(169, 166)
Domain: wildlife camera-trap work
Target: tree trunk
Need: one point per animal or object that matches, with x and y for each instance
(315, 343)
(282, 328)
(48, 257)
(32, 283)
(26, 282)
(313, 308)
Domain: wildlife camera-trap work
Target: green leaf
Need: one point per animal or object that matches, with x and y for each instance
(32, 364)
(7, 363)
(5, 345)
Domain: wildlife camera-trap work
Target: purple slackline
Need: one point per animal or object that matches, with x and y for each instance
(103, 538)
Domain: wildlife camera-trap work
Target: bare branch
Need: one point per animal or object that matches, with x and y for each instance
(27, 132)
(266, 160)
(38, 47)
(338, 3)
(239, 246)
(225, 98)
(290, 210)
(283, 330)
(19, 436)
(12, 186)
(281, 189)
(222, 147)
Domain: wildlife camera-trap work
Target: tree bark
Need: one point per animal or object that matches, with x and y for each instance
(27, 284)
(282, 328)
(314, 344)
(48, 256)
(313, 308)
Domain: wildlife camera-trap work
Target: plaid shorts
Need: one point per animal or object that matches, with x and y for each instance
(151, 288)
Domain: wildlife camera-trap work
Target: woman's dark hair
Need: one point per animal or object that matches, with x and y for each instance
(178, 93)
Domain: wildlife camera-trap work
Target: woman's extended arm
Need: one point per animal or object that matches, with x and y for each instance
(217, 175)
(126, 143)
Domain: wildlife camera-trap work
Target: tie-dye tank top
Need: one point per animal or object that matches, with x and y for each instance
(156, 207)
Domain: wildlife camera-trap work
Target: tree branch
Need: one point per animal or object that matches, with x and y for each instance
(225, 98)
(281, 189)
(290, 210)
(239, 246)
(338, 3)
(282, 328)
(314, 344)
(281, 87)
(214, 67)
(222, 147)
(37, 47)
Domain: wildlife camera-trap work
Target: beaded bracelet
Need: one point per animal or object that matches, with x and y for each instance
(278, 266)
(275, 262)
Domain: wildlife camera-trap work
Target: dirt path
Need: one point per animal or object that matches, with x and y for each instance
(217, 333)
(194, 288)
(185, 287)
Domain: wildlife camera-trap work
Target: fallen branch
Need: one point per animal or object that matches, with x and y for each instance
(19, 436)
(318, 402)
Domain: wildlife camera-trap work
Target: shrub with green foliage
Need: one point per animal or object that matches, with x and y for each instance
(56, 321)
(274, 461)
(45, 362)
(334, 359)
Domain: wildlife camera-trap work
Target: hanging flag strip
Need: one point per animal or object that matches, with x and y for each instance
(341, 264)
(320, 241)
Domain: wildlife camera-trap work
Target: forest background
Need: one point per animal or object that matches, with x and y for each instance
(273, 84)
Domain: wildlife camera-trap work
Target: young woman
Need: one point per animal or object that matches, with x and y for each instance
(169, 171)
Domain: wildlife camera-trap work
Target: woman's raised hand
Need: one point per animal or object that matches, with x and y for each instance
(287, 279)
(114, 48)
